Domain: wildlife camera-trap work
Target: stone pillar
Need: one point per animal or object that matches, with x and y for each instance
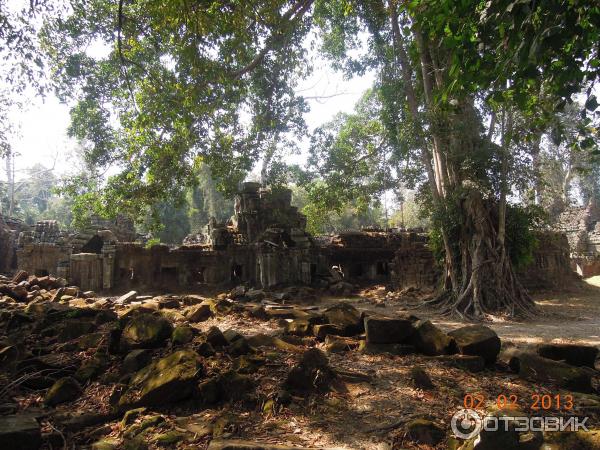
(108, 265)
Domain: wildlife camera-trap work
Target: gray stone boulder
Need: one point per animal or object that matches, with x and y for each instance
(392, 349)
(322, 331)
(168, 380)
(430, 340)
(346, 317)
(384, 330)
(477, 340)
(573, 354)
(20, 432)
(215, 337)
(63, 390)
(311, 373)
(536, 368)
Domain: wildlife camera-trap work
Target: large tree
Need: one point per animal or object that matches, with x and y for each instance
(191, 82)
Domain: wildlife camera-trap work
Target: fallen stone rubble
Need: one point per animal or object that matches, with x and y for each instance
(139, 372)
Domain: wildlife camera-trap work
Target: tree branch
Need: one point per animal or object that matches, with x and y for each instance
(293, 14)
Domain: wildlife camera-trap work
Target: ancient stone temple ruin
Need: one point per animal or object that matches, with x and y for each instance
(581, 225)
(263, 244)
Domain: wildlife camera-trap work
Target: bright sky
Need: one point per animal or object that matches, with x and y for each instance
(42, 125)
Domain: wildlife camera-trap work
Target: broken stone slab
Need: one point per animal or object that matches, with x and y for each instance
(127, 298)
(322, 331)
(168, 302)
(136, 360)
(263, 340)
(477, 340)
(20, 431)
(198, 313)
(471, 363)
(192, 299)
(236, 444)
(385, 330)
(573, 354)
(338, 344)
(215, 337)
(311, 373)
(232, 335)
(255, 295)
(182, 334)
(391, 349)
(168, 380)
(299, 327)
(534, 367)
(430, 340)
(21, 275)
(345, 316)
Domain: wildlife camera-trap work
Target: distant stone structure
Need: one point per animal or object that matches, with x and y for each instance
(9, 232)
(263, 244)
(581, 225)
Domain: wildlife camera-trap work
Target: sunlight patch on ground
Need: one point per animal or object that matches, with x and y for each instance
(593, 281)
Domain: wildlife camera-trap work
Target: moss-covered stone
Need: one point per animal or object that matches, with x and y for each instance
(137, 429)
(169, 439)
(430, 340)
(167, 380)
(568, 440)
(146, 331)
(182, 335)
(130, 416)
(106, 444)
(64, 390)
(311, 373)
(91, 368)
(423, 431)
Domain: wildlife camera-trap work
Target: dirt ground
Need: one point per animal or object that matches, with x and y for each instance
(572, 317)
(371, 415)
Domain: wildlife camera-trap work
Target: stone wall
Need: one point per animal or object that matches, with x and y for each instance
(551, 267)
(9, 233)
(414, 265)
(581, 224)
(7, 247)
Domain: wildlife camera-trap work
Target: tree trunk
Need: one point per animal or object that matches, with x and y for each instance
(537, 169)
(488, 284)
(479, 277)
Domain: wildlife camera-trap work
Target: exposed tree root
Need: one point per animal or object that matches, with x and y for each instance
(483, 279)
